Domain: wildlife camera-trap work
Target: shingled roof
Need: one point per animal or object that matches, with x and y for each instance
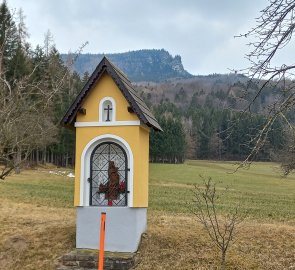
(136, 103)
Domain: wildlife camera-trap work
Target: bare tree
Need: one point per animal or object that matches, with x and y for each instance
(221, 229)
(273, 32)
(48, 42)
(286, 156)
(25, 123)
(191, 143)
(32, 89)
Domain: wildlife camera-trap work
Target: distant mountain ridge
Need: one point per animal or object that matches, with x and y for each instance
(140, 66)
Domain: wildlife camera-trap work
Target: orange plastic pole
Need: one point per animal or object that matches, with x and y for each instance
(101, 244)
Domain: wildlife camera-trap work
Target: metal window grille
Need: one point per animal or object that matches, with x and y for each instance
(100, 188)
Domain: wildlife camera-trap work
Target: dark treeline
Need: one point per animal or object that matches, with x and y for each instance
(61, 151)
(201, 132)
(35, 90)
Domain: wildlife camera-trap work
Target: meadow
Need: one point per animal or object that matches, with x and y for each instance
(37, 218)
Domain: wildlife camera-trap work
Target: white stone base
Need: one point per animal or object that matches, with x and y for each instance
(124, 227)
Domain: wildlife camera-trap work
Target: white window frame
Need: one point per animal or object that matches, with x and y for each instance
(100, 113)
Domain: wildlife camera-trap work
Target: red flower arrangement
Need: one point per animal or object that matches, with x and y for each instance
(104, 188)
(122, 187)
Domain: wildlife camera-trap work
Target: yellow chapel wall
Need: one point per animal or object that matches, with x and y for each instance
(142, 180)
(136, 136)
(105, 87)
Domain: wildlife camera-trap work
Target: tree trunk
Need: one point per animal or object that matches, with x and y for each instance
(67, 160)
(74, 158)
(44, 156)
(222, 261)
(17, 161)
(37, 157)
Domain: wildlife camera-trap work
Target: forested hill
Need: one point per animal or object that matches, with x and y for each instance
(219, 91)
(143, 65)
(201, 118)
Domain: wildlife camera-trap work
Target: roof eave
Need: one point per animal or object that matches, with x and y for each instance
(106, 66)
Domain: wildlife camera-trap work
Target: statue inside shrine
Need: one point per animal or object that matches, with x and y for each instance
(113, 187)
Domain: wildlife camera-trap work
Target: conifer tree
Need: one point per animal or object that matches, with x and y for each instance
(8, 39)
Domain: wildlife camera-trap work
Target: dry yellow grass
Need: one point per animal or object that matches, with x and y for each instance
(32, 237)
(178, 242)
(37, 225)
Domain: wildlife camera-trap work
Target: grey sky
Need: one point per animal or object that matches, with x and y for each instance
(200, 31)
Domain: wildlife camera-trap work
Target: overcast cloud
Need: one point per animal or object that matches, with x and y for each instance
(200, 31)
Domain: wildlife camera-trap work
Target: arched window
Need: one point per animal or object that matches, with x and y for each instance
(107, 110)
(108, 175)
(94, 150)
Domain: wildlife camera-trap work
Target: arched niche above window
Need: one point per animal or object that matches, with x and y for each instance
(107, 114)
(107, 110)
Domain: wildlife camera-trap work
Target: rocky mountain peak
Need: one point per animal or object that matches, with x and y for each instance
(140, 66)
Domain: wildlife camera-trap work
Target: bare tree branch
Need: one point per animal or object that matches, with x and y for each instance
(220, 230)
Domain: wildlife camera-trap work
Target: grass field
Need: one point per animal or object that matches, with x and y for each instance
(261, 192)
(37, 220)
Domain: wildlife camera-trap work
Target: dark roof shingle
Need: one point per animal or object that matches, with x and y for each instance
(137, 104)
